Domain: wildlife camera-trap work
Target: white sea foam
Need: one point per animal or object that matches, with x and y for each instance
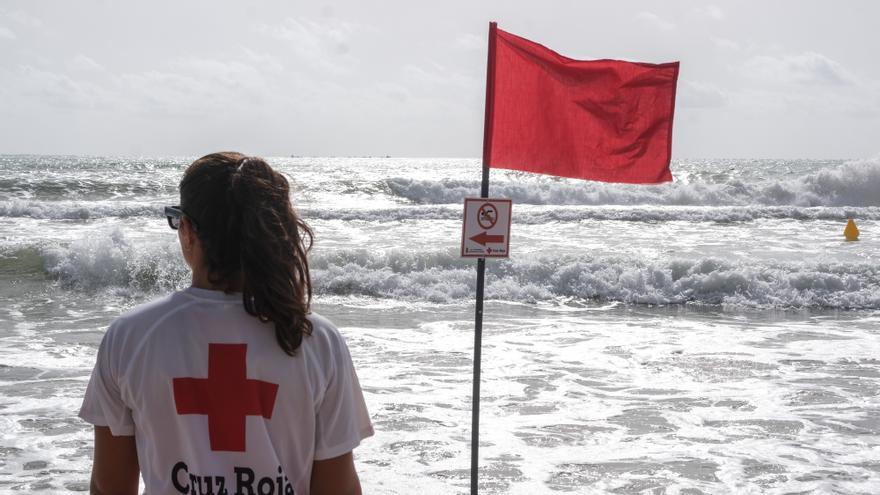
(538, 215)
(76, 210)
(531, 215)
(852, 184)
(825, 194)
(111, 260)
(441, 276)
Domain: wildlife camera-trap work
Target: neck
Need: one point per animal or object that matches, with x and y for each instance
(200, 280)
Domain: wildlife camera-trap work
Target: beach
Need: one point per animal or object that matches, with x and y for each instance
(711, 335)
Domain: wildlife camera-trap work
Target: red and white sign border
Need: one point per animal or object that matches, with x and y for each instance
(506, 253)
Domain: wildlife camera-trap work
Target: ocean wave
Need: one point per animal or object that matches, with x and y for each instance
(84, 187)
(853, 184)
(443, 277)
(83, 177)
(76, 210)
(113, 261)
(528, 215)
(532, 215)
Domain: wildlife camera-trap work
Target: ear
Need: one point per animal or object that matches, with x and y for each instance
(189, 241)
(183, 232)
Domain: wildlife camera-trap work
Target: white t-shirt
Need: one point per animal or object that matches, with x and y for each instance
(213, 401)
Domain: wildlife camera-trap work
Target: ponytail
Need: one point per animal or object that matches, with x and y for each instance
(250, 233)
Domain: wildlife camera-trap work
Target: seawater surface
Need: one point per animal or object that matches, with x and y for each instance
(711, 335)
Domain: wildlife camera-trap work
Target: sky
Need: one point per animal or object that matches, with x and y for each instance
(759, 79)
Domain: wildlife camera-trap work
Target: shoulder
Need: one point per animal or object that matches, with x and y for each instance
(325, 335)
(323, 329)
(142, 317)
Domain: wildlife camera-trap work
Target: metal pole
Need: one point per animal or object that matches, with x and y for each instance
(478, 337)
(481, 265)
(478, 347)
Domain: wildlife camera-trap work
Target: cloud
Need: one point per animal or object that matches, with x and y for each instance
(187, 86)
(725, 43)
(713, 12)
(695, 94)
(323, 44)
(196, 86)
(18, 19)
(22, 18)
(168, 93)
(807, 68)
(60, 90)
(436, 74)
(655, 21)
(84, 64)
(776, 103)
(264, 61)
(313, 34)
(394, 91)
(469, 41)
(232, 76)
(806, 83)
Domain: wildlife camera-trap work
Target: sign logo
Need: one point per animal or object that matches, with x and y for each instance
(485, 231)
(226, 396)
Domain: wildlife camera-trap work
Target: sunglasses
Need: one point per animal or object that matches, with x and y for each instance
(174, 214)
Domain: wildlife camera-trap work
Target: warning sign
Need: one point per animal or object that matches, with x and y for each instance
(485, 232)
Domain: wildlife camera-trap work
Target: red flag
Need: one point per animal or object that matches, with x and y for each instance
(605, 120)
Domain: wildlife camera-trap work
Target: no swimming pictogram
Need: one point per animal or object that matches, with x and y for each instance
(487, 215)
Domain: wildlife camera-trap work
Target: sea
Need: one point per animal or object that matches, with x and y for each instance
(716, 334)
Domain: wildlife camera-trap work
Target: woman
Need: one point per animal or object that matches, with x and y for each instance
(231, 386)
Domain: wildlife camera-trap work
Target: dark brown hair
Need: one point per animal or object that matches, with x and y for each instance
(250, 232)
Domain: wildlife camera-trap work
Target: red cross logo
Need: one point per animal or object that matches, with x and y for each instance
(227, 397)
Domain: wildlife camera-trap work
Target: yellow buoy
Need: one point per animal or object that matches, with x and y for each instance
(851, 232)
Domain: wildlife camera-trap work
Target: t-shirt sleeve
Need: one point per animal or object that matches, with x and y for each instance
(103, 404)
(342, 419)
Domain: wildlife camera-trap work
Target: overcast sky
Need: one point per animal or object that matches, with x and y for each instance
(772, 79)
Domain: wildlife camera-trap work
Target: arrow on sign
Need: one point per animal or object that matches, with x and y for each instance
(484, 238)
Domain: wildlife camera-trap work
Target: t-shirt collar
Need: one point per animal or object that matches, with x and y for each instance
(212, 295)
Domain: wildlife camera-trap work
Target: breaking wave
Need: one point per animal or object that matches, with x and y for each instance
(60, 177)
(533, 215)
(853, 184)
(112, 260)
(115, 262)
(76, 210)
(443, 277)
(540, 216)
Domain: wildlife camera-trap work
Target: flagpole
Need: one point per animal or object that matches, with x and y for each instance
(481, 263)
